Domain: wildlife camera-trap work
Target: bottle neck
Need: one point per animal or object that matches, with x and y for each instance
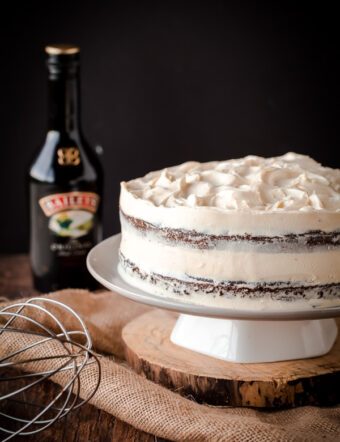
(64, 103)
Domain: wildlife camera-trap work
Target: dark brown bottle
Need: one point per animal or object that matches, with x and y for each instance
(65, 184)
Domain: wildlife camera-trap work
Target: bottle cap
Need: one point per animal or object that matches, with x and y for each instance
(62, 49)
(62, 59)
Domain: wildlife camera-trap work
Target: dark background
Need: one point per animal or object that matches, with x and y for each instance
(167, 82)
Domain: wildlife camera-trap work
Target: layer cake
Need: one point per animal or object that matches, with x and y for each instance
(252, 232)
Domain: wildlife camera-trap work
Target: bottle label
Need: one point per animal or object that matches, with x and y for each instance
(70, 214)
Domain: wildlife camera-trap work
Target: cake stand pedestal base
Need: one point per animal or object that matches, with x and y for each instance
(244, 341)
(150, 352)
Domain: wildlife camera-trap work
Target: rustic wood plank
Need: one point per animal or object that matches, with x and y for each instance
(123, 432)
(15, 277)
(149, 351)
(85, 424)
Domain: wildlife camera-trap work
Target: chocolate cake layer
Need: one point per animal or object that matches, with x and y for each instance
(280, 291)
(309, 240)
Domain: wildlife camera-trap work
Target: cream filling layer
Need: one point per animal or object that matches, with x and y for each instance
(319, 267)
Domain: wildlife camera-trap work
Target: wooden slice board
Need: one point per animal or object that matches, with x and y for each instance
(150, 352)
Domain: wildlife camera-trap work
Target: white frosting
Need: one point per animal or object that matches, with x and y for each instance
(318, 267)
(291, 193)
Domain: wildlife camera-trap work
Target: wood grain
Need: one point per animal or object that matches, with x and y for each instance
(85, 424)
(149, 351)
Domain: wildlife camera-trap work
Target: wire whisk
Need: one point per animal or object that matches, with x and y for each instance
(43, 352)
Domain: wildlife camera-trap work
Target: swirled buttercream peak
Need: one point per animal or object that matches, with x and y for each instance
(291, 182)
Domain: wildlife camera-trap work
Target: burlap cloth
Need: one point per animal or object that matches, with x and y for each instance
(154, 409)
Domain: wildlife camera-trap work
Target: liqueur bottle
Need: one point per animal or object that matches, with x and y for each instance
(65, 184)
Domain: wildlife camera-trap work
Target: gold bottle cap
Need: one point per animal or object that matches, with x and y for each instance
(62, 49)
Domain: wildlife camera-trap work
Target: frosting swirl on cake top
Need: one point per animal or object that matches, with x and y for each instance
(289, 182)
(218, 195)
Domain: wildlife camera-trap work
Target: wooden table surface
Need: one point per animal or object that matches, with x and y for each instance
(85, 424)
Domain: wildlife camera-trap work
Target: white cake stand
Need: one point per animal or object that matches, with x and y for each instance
(234, 335)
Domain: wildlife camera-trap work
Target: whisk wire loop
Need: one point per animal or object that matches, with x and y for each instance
(72, 356)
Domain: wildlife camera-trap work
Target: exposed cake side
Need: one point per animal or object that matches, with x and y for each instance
(235, 261)
(309, 239)
(208, 291)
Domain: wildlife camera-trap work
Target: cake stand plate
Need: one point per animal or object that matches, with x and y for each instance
(235, 335)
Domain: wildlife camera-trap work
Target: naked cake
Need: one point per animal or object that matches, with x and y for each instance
(248, 232)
